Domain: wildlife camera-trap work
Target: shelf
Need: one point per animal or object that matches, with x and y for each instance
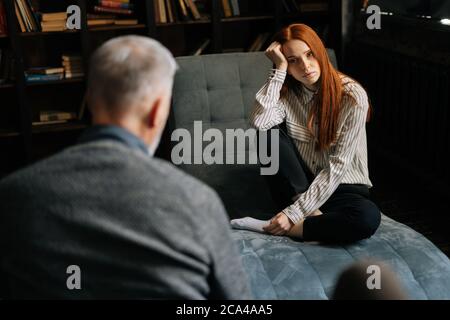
(47, 33)
(115, 27)
(6, 85)
(183, 23)
(59, 127)
(2, 36)
(312, 14)
(4, 133)
(63, 81)
(250, 18)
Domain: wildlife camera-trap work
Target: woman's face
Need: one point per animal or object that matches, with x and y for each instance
(302, 64)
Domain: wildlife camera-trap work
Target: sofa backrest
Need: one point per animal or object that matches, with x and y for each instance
(219, 90)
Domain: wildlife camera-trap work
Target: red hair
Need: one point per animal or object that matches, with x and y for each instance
(328, 101)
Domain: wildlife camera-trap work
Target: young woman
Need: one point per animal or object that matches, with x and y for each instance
(322, 187)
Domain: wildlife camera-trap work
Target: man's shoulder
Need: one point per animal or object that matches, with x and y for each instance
(103, 159)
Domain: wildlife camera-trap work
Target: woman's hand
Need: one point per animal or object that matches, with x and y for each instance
(279, 225)
(273, 52)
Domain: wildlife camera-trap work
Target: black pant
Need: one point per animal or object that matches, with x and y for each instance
(348, 215)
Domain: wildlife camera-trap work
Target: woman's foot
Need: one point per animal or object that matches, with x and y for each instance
(249, 223)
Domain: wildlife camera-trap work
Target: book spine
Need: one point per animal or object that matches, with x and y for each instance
(113, 10)
(226, 8)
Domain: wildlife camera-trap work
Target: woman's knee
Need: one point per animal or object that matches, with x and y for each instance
(368, 219)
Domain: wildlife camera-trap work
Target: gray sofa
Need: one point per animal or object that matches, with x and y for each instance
(219, 90)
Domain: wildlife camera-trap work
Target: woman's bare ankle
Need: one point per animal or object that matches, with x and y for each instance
(316, 213)
(296, 231)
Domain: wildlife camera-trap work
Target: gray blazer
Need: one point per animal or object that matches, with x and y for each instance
(136, 227)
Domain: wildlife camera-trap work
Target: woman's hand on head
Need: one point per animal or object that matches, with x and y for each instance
(279, 225)
(273, 52)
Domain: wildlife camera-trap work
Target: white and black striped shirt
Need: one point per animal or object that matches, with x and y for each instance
(344, 162)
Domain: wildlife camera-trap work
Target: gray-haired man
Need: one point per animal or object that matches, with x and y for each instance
(103, 219)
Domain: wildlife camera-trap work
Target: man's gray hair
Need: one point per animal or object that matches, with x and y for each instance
(125, 69)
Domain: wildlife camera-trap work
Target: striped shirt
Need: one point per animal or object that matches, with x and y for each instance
(344, 162)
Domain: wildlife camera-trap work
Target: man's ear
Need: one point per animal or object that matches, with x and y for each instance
(153, 116)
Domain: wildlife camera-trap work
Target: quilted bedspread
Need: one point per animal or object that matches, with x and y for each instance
(282, 268)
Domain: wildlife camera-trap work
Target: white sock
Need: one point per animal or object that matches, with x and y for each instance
(249, 223)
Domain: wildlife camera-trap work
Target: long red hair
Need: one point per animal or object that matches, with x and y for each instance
(330, 95)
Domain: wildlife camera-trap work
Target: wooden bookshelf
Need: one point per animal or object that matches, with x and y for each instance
(181, 37)
(6, 85)
(56, 82)
(183, 23)
(59, 127)
(4, 133)
(249, 18)
(116, 28)
(47, 33)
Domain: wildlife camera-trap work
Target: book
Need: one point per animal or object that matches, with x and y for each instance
(183, 10)
(40, 123)
(113, 10)
(125, 22)
(51, 16)
(19, 18)
(32, 78)
(201, 48)
(3, 26)
(45, 70)
(193, 9)
(235, 7)
(100, 22)
(259, 41)
(52, 115)
(115, 4)
(53, 23)
(53, 28)
(226, 8)
(170, 17)
(92, 16)
(162, 11)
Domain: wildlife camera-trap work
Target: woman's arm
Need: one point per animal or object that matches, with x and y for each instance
(341, 156)
(269, 110)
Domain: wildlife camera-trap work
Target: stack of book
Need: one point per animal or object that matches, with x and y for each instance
(112, 12)
(44, 74)
(54, 116)
(73, 66)
(55, 21)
